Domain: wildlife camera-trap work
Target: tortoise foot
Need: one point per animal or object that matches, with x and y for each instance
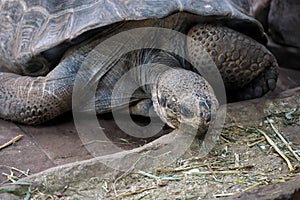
(248, 68)
(257, 88)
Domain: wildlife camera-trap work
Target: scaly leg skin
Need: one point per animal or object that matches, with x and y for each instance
(248, 69)
(34, 100)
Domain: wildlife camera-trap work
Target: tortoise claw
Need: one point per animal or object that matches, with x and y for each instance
(272, 84)
(258, 91)
(257, 88)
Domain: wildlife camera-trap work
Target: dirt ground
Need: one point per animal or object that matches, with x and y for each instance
(252, 158)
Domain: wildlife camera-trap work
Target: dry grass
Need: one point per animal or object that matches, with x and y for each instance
(12, 141)
(243, 159)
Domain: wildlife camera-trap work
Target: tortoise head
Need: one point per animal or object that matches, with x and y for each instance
(184, 99)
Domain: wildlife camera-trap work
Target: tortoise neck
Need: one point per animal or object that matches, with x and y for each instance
(153, 65)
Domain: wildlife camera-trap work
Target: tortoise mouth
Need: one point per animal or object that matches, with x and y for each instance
(198, 131)
(196, 125)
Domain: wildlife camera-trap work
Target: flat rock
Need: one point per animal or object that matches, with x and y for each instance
(24, 154)
(58, 140)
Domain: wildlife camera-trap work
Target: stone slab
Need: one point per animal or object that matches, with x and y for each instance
(24, 154)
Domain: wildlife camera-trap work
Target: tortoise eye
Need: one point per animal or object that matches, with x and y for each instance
(205, 104)
(202, 104)
(185, 111)
(172, 104)
(208, 103)
(162, 101)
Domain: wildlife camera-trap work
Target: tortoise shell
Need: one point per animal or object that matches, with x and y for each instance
(35, 34)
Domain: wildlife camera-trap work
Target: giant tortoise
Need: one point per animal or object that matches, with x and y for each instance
(43, 44)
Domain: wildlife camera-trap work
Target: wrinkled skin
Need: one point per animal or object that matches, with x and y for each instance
(183, 100)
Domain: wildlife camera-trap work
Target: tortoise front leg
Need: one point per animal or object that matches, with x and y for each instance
(248, 69)
(34, 100)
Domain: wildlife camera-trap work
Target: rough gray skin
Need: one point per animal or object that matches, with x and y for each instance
(44, 31)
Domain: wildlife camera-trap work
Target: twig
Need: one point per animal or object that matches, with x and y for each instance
(270, 141)
(12, 141)
(257, 142)
(236, 160)
(20, 171)
(125, 194)
(164, 178)
(168, 169)
(235, 193)
(118, 178)
(226, 194)
(251, 139)
(149, 175)
(283, 140)
(11, 177)
(178, 169)
(197, 172)
(223, 138)
(242, 167)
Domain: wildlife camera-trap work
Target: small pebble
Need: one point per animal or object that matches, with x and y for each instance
(161, 183)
